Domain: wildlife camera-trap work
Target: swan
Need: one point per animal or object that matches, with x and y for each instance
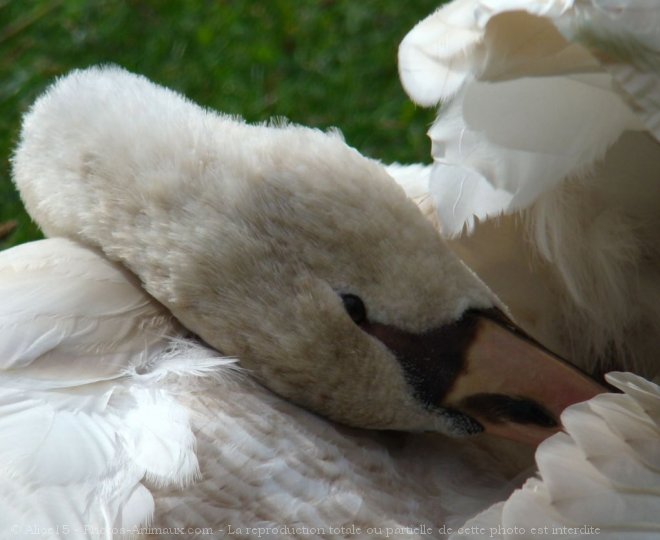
(155, 414)
(546, 157)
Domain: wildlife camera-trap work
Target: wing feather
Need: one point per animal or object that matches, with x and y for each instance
(532, 95)
(89, 374)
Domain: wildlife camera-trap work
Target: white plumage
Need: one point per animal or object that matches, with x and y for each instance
(119, 420)
(82, 425)
(546, 164)
(113, 415)
(149, 429)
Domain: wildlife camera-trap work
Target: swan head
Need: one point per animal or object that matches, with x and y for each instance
(335, 291)
(284, 247)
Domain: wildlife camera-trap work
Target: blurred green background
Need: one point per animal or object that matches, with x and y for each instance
(317, 62)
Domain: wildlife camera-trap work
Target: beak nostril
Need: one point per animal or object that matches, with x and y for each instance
(500, 408)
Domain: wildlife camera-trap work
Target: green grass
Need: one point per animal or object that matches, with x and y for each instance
(320, 63)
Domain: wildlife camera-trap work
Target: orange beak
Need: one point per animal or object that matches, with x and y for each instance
(514, 387)
(488, 374)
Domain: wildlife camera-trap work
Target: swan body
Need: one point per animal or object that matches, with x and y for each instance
(114, 418)
(116, 421)
(546, 161)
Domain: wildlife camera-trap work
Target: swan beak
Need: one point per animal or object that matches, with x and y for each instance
(513, 386)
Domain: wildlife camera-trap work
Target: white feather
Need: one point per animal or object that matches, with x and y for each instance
(545, 147)
(83, 425)
(595, 476)
(523, 75)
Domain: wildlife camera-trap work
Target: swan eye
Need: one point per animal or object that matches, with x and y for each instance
(355, 308)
